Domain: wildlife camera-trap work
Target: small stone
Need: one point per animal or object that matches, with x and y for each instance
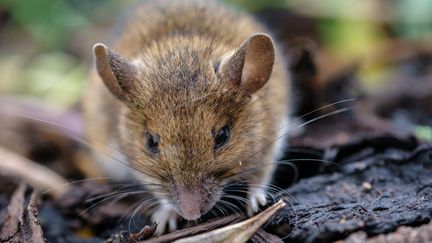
(367, 186)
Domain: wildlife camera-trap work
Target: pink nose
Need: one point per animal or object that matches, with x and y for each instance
(190, 204)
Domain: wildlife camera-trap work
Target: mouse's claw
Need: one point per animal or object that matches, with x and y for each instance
(165, 216)
(257, 198)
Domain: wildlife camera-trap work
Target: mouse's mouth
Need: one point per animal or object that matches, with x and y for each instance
(192, 204)
(193, 209)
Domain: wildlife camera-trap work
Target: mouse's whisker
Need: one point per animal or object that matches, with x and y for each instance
(108, 198)
(268, 190)
(294, 168)
(212, 212)
(79, 181)
(152, 207)
(275, 192)
(226, 212)
(335, 112)
(289, 161)
(310, 121)
(231, 207)
(72, 134)
(140, 206)
(106, 195)
(327, 106)
(112, 181)
(282, 162)
(225, 209)
(316, 110)
(235, 191)
(274, 189)
(238, 198)
(125, 190)
(220, 209)
(217, 210)
(147, 201)
(121, 195)
(303, 150)
(121, 189)
(269, 187)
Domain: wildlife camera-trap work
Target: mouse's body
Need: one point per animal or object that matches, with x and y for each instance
(192, 96)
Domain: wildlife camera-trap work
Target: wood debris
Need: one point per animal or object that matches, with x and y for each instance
(402, 235)
(20, 223)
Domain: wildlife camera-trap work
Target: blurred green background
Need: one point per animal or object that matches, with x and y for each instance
(45, 45)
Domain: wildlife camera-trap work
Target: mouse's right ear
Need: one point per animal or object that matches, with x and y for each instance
(117, 73)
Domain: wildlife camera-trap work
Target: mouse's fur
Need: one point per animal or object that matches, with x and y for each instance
(180, 71)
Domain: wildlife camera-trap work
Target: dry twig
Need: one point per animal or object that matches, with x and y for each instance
(36, 175)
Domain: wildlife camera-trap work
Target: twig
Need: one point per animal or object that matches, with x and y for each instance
(36, 175)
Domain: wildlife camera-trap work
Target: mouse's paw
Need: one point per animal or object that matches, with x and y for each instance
(257, 198)
(165, 216)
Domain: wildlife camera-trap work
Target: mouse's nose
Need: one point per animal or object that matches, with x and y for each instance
(190, 213)
(190, 204)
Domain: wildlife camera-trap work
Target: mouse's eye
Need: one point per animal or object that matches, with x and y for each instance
(152, 143)
(221, 137)
(216, 66)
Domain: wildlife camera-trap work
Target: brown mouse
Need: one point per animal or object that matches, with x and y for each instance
(192, 95)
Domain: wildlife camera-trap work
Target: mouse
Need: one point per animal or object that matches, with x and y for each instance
(191, 96)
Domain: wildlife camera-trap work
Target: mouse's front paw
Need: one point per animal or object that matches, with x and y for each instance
(257, 198)
(165, 216)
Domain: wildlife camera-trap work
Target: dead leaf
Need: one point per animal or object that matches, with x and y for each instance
(240, 232)
(194, 230)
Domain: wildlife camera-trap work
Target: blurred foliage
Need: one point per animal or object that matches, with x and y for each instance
(424, 132)
(350, 37)
(54, 77)
(49, 22)
(43, 62)
(52, 22)
(414, 18)
(258, 5)
(45, 44)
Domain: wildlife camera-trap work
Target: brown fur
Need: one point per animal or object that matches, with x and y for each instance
(171, 89)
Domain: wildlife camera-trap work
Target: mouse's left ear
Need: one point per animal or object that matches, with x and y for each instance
(251, 65)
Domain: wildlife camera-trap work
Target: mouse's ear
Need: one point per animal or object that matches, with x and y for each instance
(250, 66)
(117, 73)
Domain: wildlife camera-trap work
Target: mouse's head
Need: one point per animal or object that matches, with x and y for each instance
(190, 117)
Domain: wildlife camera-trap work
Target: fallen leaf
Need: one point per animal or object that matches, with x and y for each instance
(239, 232)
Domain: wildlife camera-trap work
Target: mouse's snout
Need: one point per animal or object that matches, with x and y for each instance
(190, 204)
(193, 202)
